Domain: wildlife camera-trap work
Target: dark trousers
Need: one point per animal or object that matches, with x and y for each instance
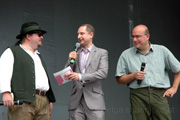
(149, 104)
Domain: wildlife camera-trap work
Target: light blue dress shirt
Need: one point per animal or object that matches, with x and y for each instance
(159, 60)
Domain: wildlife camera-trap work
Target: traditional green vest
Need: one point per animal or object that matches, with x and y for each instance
(23, 78)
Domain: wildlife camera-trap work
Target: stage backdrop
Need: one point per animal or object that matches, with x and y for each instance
(113, 21)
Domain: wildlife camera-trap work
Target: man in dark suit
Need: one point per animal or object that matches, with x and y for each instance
(90, 68)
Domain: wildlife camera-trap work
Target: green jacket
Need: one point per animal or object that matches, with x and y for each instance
(23, 78)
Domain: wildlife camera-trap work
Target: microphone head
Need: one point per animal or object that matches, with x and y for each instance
(20, 102)
(77, 45)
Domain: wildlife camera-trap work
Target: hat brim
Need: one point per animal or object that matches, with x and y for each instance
(20, 35)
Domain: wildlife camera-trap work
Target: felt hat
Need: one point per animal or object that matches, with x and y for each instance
(29, 27)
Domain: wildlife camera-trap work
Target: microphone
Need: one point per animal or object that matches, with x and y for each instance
(18, 102)
(77, 45)
(142, 69)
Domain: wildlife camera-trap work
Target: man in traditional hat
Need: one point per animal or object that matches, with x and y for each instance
(23, 73)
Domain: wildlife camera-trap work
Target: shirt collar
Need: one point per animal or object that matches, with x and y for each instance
(89, 49)
(36, 51)
(151, 49)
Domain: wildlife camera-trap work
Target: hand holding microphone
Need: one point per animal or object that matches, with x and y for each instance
(17, 102)
(74, 54)
(8, 100)
(142, 69)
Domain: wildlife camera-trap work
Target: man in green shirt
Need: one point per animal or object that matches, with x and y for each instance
(149, 87)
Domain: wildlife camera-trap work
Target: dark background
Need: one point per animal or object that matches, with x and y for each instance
(113, 21)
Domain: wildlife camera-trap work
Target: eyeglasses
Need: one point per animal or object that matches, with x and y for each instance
(137, 36)
(38, 33)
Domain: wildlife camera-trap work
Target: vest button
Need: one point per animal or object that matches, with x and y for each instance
(33, 95)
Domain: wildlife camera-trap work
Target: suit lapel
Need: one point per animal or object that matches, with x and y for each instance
(79, 59)
(91, 55)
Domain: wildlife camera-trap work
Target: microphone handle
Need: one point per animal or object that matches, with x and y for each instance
(72, 60)
(139, 82)
(142, 69)
(77, 45)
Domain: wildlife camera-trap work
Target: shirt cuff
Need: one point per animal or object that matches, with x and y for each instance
(80, 78)
(2, 90)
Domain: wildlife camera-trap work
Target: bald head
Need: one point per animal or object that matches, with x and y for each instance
(140, 38)
(142, 28)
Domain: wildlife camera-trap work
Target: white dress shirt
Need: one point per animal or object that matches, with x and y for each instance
(6, 70)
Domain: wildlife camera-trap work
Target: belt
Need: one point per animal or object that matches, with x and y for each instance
(41, 92)
(153, 88)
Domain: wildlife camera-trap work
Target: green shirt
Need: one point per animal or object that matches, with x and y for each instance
(159, 60)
